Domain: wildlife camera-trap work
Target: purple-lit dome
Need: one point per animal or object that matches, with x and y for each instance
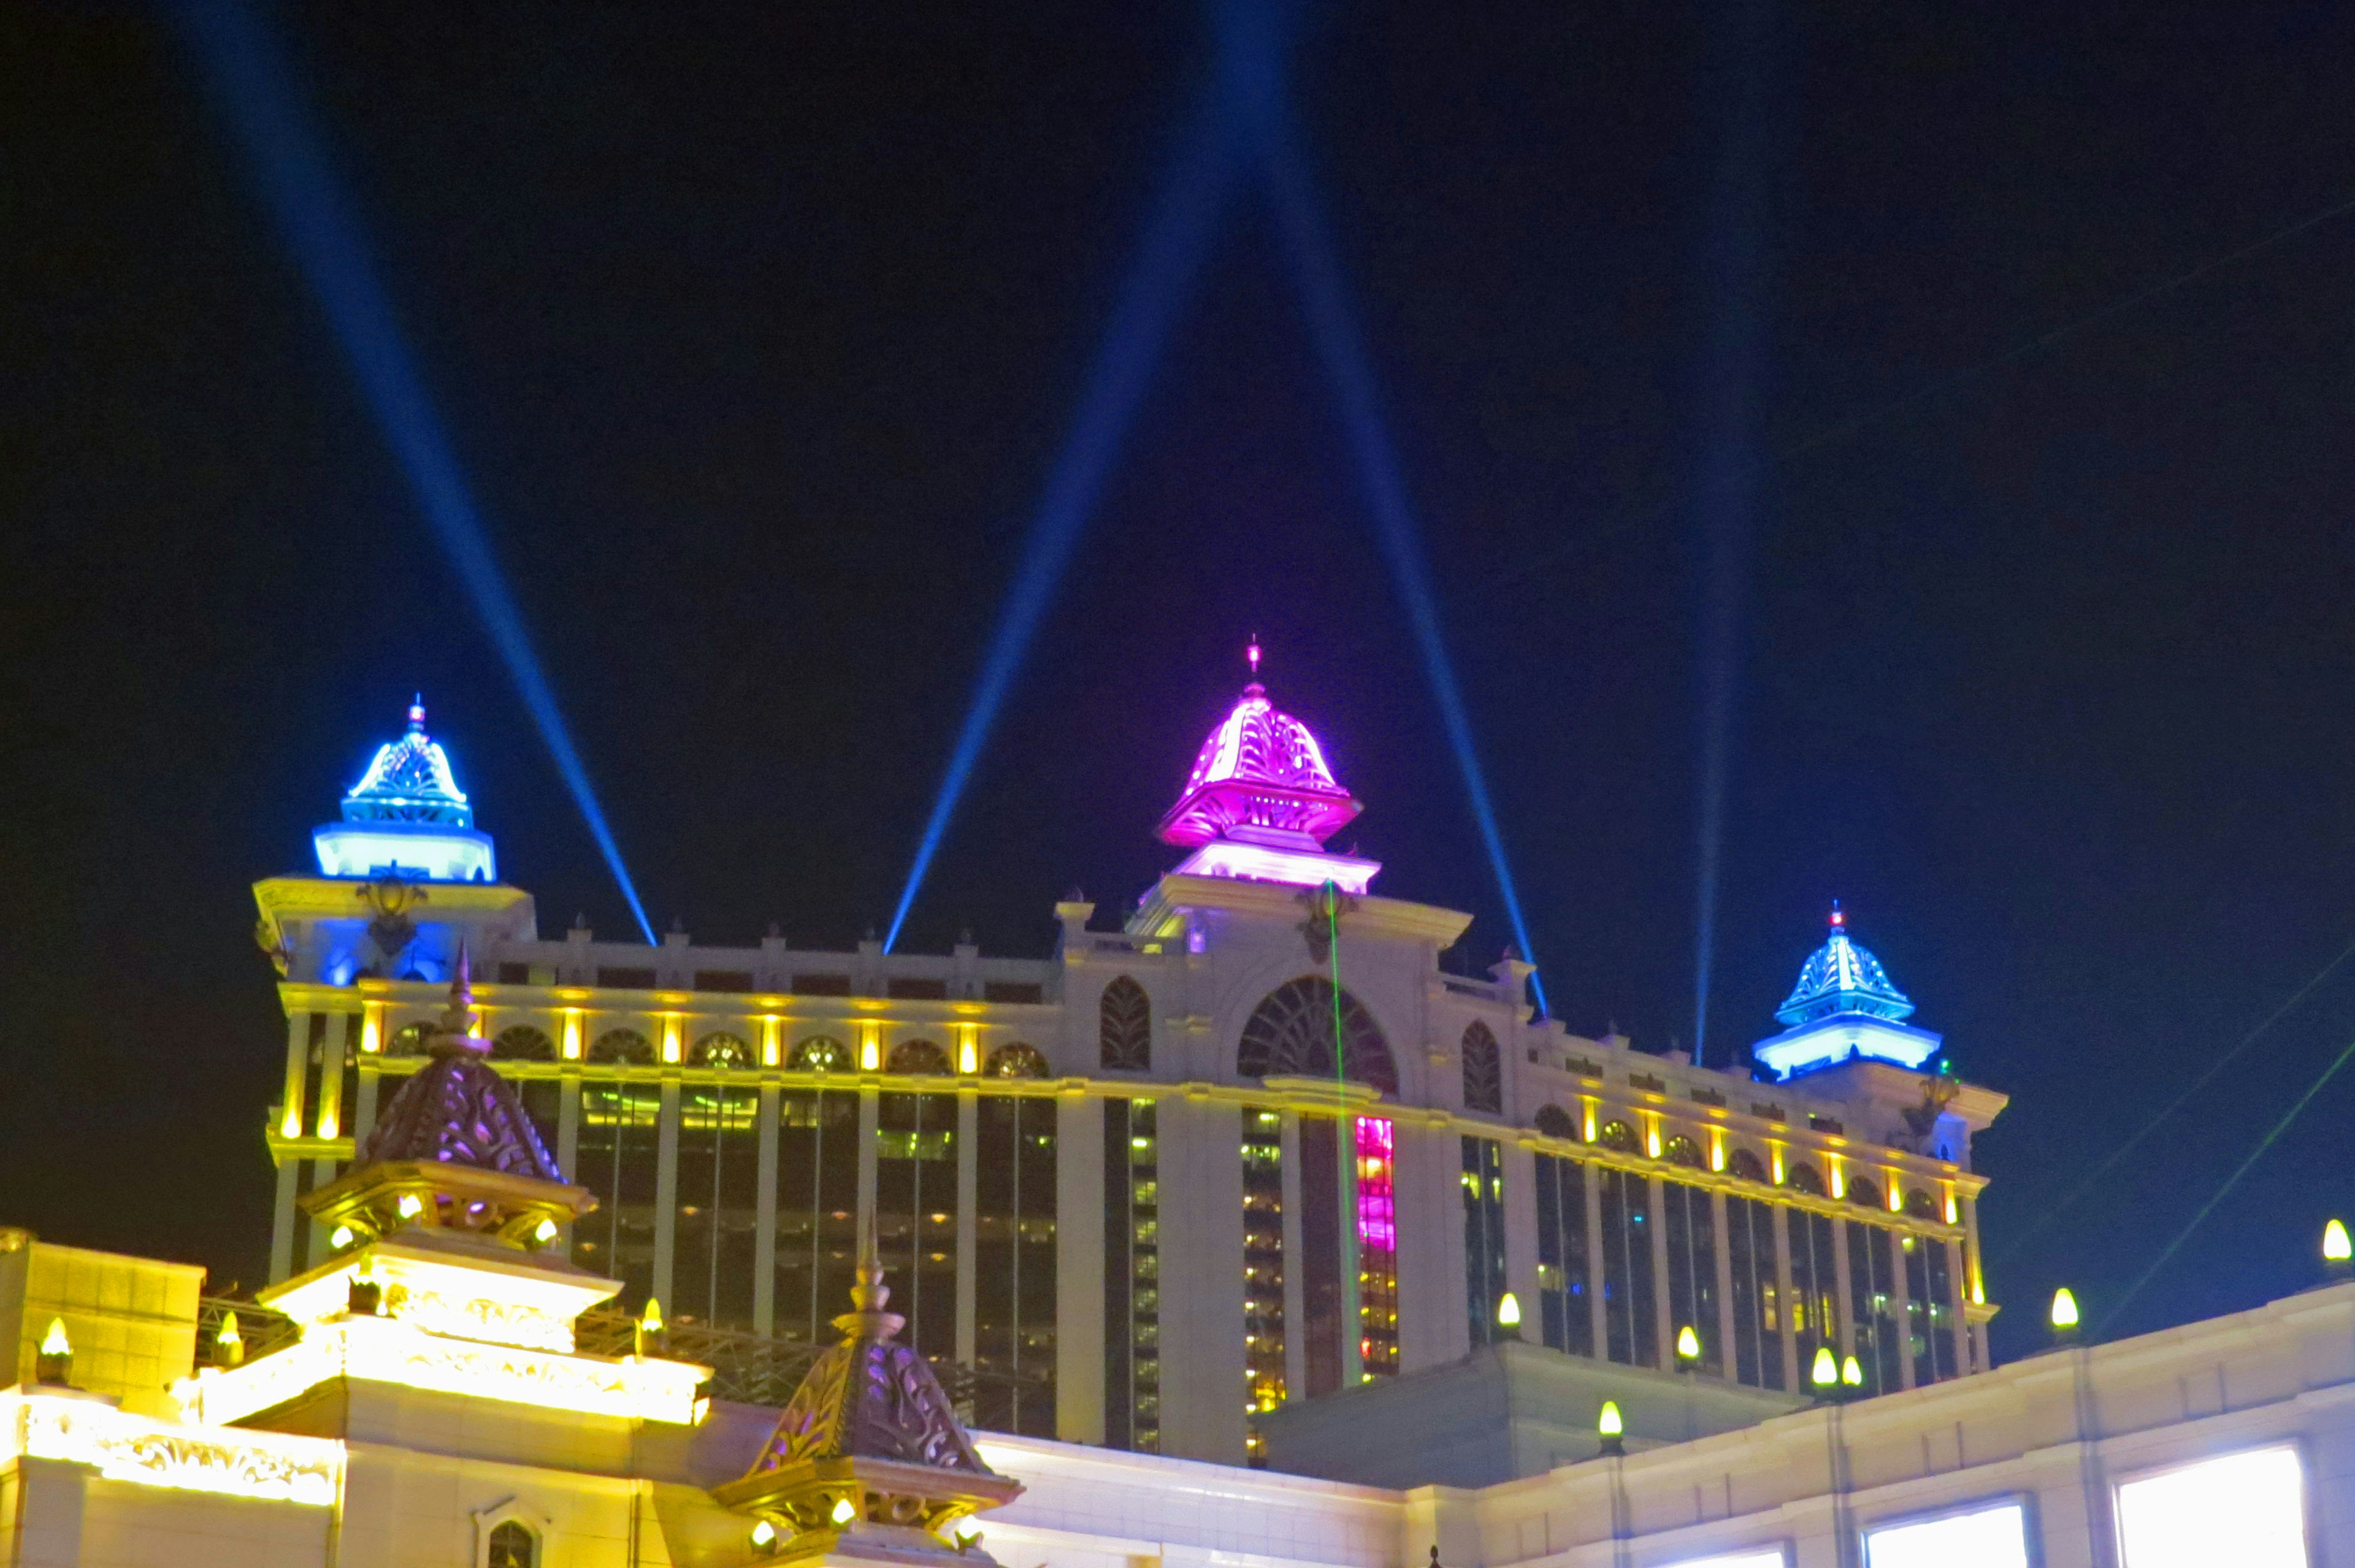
(1260, 772)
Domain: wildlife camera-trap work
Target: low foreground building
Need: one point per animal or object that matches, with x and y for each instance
(426, 1402)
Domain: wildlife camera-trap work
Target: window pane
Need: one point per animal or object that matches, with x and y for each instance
(2248, 1509)
(1990, 1538)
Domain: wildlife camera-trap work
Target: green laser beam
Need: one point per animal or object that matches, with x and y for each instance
(2055, 1210)
(2230, 1182)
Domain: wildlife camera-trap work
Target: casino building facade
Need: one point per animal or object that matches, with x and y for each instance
(1135, 1182)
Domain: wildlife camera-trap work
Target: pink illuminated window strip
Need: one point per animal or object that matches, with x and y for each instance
(1378, 1337)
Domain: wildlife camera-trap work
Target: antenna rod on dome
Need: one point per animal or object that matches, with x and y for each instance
(1251, 654)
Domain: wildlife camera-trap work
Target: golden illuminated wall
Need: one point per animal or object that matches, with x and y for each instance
(132, 1321)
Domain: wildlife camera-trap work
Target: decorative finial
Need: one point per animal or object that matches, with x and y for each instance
(1251, 652)
(1839, 920)
(457, 1031)
(417, 713)
(868, 1318)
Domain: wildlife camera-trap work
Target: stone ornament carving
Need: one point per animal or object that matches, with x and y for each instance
(129, 1448)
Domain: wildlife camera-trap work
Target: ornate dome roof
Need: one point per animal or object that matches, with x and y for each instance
(1261, 770)
(457, 1110)
(409, 781)
(1841, 977)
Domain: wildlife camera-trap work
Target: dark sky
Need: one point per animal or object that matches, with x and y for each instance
(757, 328)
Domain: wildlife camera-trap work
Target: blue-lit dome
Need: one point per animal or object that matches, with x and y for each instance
(1841, 977)
(407, 819)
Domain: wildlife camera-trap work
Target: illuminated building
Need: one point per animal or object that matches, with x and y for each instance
(1132, 1183)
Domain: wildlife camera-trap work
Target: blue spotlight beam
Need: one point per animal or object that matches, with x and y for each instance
(1170, 256)
(1333, 326)
(249, 82)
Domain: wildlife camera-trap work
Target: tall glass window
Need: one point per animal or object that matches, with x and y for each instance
(1014, 1262)
(1757, 1304)
(1378, 1321)
(817, 1210)
(1630, 1295)
(718, 1196)
(1815, 1288)
(916, 1213)
(1320, 1254)
(1929, 1319)
(619, 1154)
(1484, 1238)
(1132, 1277)
(1563, 1281)
(1872, 1307)
(1692, 1267)
(1263, 1379)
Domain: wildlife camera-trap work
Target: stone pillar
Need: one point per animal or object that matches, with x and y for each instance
(1079, 1268)
(764, 1216)
(1964, 1362)
(1426, 1180)
(1663, 1315)
(298, 1062)
(284, 1216)
(568, 1138)
(1785, 1293)
(968, 1185)
(1296, 1284)
(666, 1193)
(1840, 1285)
(1729, 1366)
(1972, 1282)
(870, 1110)
(1201, 1280)
(364, 1102)
(1599, 1323)
(1901, 1296)
(1518, 1166)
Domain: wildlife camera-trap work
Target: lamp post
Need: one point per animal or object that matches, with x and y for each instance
(2338, 1253)
(1611, 1430)
(1688, 1349)
(1824, 1374)
(1509, 1314)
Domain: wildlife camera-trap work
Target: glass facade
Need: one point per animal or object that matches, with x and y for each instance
(1321, 1299)
(817, 1210)
(1484, 1238)
(1630, 1293)
(717, 1219)
(1132, 1277)
(1929, 1310)
(916, 1213)
(619, 1160)
(1564, 1281)
(1263, 1328)
(1757, 1291)
(1377, 1319)
(1014, 1262)
(1691, 1231)
(1872, 1307)
(1815, 1288)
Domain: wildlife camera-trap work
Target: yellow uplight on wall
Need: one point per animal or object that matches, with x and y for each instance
(371, 1032)
(769, 1031)
(1953, 1211)
(969, 1055)
(871, 1050)
(670, 1037)
(571, 1034)
(1839, 1177)
(1896, 1195)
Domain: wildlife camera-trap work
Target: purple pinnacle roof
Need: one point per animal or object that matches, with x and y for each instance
(1263, 771)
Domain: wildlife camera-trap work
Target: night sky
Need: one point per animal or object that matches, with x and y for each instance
(757, 328)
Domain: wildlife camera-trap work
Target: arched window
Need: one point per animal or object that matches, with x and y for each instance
(1556, 1123)
(1802, 1178)
(408, 1039)
(1864, 1193)
(917, 1056)
(1747, 1166)
(1290, 1035)
(819, 1054)
(1682, 1150)
(1483, 1071)
(1921, 1206)
(1125, 1027)
(512, 1545)
(1618, 1136)
(622, 1045)
(721, 1050)
(523, 1043)
(1015, 1060)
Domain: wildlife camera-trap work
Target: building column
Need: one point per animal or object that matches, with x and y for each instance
(1079, 1268)
(1785, 1294)
(764, 1213)
(1353, 1362)
(667, 1194)
(298, 1062)
(1519, 1167)
(1662, 1313)
(1295, 1265)
(1972, 1282)
(968, 1191)
(1840, 1285)
(869, 1120)
(282, 1218)
(363, 1101)
(1598, 1323)
(1729, 1364)
(568, 1140)
(1961, 1329)
(1901, 1296)
(1202, 1381)
(1427, 1184)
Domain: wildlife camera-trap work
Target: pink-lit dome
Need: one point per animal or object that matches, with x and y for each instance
(1260, 776)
